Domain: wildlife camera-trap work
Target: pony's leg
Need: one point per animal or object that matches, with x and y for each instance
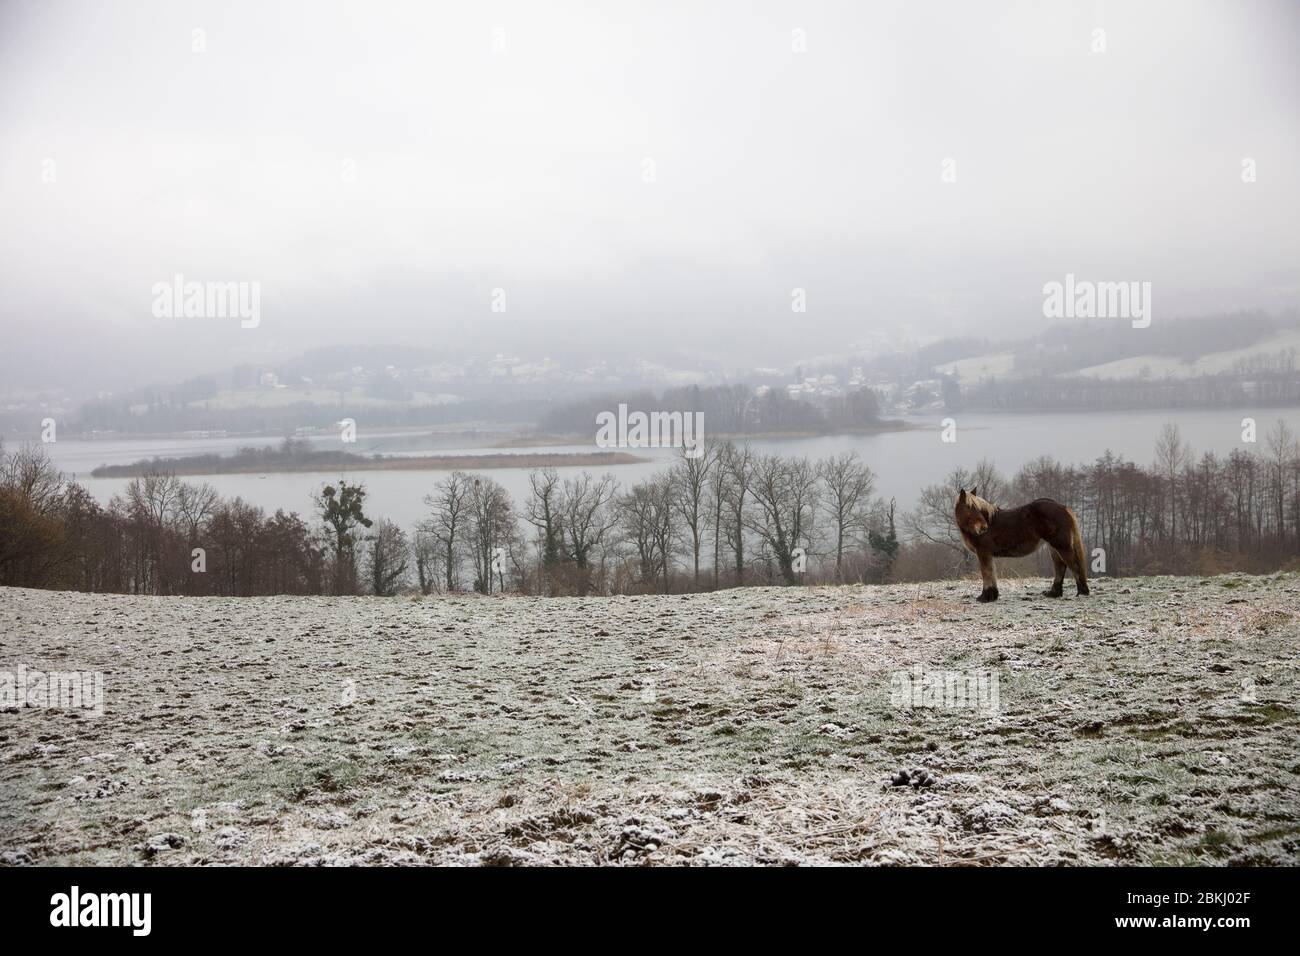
(990, 577)
(1077, 560)
(1058, 582)
(1068, 546)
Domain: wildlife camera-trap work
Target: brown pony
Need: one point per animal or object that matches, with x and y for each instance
(993, 532)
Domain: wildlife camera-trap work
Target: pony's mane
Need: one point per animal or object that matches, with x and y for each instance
(980, 504)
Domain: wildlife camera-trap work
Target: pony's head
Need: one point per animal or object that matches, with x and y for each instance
(972, 512)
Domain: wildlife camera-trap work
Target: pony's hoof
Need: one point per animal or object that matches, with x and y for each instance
(986, 596)
(1083, 592)
(1053, 592)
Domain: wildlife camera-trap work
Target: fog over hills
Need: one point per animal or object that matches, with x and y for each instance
(647, 183)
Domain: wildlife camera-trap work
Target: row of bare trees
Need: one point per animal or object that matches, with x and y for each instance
(729, 517)
(159, 536)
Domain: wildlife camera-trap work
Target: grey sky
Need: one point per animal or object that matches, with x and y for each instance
(523, 169)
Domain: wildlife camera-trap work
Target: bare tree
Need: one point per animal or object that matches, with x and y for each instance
(646, 519)
(1172, 456)
(785, 493)
(33, 541)
(427, 556)
(448, 514)
(738, 466)
(849, 484)
(151, 502)
(492, 532)
(30, 472)
(689, 490)
(1283, 451)
(587, 517)
(194, 506)
(387, 559)
(155, 495)
(718, 479)
(544, 514)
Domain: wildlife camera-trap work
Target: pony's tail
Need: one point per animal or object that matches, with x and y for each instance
(1076, 544)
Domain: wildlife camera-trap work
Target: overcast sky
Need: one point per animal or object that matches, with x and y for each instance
(381, 168)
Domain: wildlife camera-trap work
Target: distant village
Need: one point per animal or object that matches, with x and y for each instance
(473, 383)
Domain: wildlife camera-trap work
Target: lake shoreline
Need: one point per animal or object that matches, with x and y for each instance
(180, 468)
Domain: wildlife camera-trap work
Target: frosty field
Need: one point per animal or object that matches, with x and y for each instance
(1155, 722)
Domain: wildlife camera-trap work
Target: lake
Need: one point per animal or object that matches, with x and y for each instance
(904, 461)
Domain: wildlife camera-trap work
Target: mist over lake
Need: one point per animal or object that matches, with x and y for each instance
(904, 461)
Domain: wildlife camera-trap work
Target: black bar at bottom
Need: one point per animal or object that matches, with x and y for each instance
(215, 905)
